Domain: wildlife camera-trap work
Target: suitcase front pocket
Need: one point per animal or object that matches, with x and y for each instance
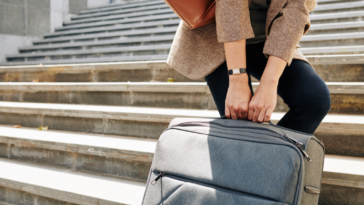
(174, 190)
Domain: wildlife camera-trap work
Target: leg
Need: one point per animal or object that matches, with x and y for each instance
(218, 82)
(307, 96)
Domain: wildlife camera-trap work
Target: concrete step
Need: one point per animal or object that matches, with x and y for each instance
(342, 134)
(341, 27)
(49, 185)
(101, 37)
(342, 181)
(337, 17)
(331, 68)
(338, 7)
(126, 41)
(85, 60)
(136, 50)
(121, 11)
(144, 19)
(347, 98)
(116, 156)
(333, 50)
(334, 39)
(133, 26)
(119, 17)
(341, 174)
(121, 6)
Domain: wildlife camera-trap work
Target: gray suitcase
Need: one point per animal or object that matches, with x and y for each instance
(221, 161)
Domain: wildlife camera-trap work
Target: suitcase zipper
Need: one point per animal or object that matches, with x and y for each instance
(299, 146)
(285, 136)
(161, 174)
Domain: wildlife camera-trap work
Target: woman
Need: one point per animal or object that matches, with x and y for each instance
(262, 36)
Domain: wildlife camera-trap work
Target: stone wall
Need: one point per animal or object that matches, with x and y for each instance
(75, 6)
(24, 17)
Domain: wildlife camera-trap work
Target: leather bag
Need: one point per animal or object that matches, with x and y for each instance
(195, 13)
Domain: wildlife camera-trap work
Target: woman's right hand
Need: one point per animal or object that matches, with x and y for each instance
(238, 97)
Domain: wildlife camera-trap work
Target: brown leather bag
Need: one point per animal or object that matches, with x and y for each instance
(195, 13)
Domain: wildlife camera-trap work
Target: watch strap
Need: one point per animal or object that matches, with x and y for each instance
(237, 71)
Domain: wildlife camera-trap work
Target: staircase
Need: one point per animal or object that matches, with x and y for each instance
(104, 118)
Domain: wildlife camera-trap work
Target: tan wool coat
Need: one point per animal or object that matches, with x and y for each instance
(197, 52)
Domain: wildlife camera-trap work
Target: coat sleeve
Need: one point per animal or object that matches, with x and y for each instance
(233, 20)
(287, 29)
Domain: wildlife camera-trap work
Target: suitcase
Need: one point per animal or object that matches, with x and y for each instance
(223, 161)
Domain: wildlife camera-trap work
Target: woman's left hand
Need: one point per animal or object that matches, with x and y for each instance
(263, 102)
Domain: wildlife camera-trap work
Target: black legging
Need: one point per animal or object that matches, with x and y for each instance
(305, 93)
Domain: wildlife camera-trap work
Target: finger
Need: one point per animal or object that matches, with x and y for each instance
(261, 115)
(244, 112)
(227, 113)
(233, 115)
(238, 114)
(268, 114)
(256, 114)
(250, 113)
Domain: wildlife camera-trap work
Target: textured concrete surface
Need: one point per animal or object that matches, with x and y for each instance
(69, 185)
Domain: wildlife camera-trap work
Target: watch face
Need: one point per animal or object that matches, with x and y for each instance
(236, 71)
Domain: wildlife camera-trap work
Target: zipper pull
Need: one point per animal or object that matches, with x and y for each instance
(157, 178)
(304, 153)
(299, 146)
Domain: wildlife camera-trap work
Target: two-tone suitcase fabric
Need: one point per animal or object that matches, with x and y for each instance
(221, 161)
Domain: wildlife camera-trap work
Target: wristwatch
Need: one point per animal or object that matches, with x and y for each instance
(236, 71)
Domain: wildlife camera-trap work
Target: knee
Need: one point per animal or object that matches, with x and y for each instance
(318, 102)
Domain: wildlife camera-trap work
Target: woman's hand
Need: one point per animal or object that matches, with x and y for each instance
(238, 97)
(265, 98)
(263, 102)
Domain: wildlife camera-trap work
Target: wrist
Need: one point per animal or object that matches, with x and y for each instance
(269, 81)
(243, 77)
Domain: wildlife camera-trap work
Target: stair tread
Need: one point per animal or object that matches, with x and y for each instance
(332, 36)
(121, 6)
(118, 11)
(116, 27)
(103, 42)
(69, 185)
(90, 60)
(159, 46)
(141, 113)
(129, 15)
(138, 146)
(340, 5)
(120, 21)
(188, 87)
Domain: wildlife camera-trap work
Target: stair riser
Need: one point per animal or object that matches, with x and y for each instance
(79, 158)
(90, 125)
(155, 18)
(9, 196)
(149, 129)
(343, 42)
(117, 28)
(338, 10)
(338, 20)
(341, 103)
(158, 73)
(337, 30)
(118, 12)
(331, 194)
(119, 17)
(46, 57)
